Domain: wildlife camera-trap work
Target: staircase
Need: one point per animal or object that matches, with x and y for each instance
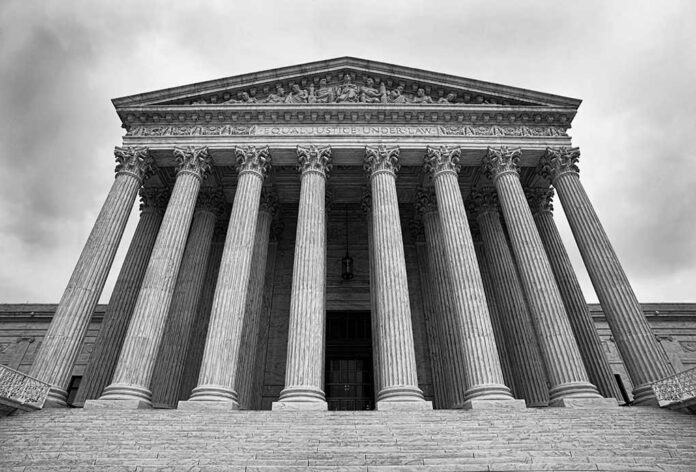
(629, 438)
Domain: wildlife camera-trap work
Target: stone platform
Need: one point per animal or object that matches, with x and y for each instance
(643, 439)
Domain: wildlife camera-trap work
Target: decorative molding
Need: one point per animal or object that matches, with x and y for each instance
(381, 159)
(499, 161)
(540, 199)
(442, 159)
(314, 159)
(558, 161)
(193, 160)
(154, 199)
(134, 160)
(256, 160)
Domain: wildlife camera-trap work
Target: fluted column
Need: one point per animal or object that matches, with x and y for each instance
(217, 378)
(63, 340)
(397, 369)
(509, 294)
(304, 368)
(130, 386)
(366, 204)
(569, 384)
(591, 350)
(451, 341)
(634, 337)
(250, 333)
(431, 310)
(107, 345)
(171, 359)
(471, 325)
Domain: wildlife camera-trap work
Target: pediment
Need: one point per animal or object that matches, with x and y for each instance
(345, 82)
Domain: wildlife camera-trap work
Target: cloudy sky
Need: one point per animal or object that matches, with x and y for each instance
(633, 63)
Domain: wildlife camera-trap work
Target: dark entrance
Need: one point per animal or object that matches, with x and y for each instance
(349, 383)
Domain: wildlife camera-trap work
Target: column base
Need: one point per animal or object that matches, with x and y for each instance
(391, 405)
(573, 391)
(126, 392)
(299, 406)
(302, 394)
(400, 393)
(117, 405)
(644, 395)
(214, 394)
(483, 404)
(488, 393)
(56, 398)
(588, 403)
(202, 405)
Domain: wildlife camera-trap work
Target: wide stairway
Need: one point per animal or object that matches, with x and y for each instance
(646, 439)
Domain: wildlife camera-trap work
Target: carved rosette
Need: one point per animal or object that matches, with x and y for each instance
(315, 159)
(380, 159)
(425, 201)
(559, 161)
(154, 199)
(211, 200)
(442, 159)
(366, 201)
(269, 202)
(483, 201)
(540, 199)
(501, 161)
(193, 160)
(135, 161)
(251, 159)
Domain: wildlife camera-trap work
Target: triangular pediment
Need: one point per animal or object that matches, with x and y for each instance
(345, 81)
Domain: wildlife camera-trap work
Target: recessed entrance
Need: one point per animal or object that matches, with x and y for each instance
(349, 384)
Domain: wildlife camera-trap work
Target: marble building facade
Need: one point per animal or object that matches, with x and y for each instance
(348, 234)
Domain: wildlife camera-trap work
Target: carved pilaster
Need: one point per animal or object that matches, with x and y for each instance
(500, 161)
(442, 159)
(380, 159)
(251, 159)
(314, 159)
(193, 160)
(135, 161)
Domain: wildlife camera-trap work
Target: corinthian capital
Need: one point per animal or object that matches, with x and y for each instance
(252, 159)
(558, 161)
(314, 159)
(211, 200)
(193, 160)
(269, 202)
(501, 161)
(483, 201)
(425, 201)
(442, 159)
(135, 161)
(381, 159)
(540, 199)
(154, 199)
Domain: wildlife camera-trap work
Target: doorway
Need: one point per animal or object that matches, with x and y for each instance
(349, 380)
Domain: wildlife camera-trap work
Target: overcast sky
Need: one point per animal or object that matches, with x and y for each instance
(632, 63)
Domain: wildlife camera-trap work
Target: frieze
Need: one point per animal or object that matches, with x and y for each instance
(341, 130)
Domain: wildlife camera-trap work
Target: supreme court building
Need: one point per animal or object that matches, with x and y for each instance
(348, 234)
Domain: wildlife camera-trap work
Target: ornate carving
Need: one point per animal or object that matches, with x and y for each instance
(193, 160)
(381, 159)
(540, 199)
(675, 388)
(448, 100)
(269, 202)
(442, 159)
(297, 95)
(278, 97)
(421, 97)
(347, 91)
(425, 200)
(482, 201)
(222, 130)
(154, 199)
(135, 161)
(245, 98)
(324, 94)
(314, 159)
(500, 161)
(559, 161)
(18, 390)
(366, 201)
(496, 130)
(211, 200)
(256, 160)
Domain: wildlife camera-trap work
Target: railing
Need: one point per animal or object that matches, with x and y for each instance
(676, 388)
(18, 390)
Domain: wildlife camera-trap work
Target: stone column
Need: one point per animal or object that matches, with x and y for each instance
(397, 369)
(569, 384)
(515, 317)
(634, 338)
(593, 355)
(431, 309)
(63, 340)
(217, 378)
(471, 326)
(171, 359)
(304, 369)
(366, 204)
(451, 340)
(107, 345)
(493, 308)
(130, 386)
(250, 333)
